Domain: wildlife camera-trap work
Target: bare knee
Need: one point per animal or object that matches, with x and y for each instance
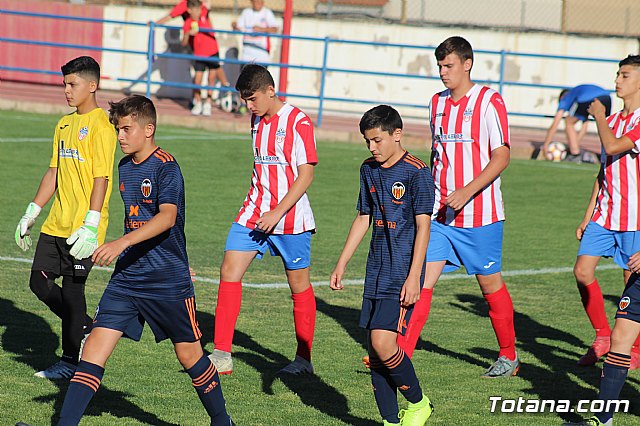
(188, 353)
(584, 274)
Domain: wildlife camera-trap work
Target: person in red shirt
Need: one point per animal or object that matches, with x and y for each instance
(203, 43)
(181, 9)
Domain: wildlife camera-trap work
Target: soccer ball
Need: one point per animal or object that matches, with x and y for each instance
(229, 102)
(556, 151)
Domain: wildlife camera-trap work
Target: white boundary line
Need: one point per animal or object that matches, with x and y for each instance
(514, 273)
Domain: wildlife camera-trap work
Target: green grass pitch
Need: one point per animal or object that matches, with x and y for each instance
(144, 383)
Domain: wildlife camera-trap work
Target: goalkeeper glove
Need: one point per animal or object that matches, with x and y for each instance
(85, 240)
(23, 231)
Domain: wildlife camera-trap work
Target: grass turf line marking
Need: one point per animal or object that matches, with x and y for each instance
(444, 277)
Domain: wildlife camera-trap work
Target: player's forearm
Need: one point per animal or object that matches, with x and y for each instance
(500, 158)
(161, 222)
(297, 190)
(610, 143)
(358, 230)
(47, 187)
(423, 225)
(98, 193)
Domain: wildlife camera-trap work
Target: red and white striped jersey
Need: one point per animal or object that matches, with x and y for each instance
(618, 201)
(464, 135)
(280, 146)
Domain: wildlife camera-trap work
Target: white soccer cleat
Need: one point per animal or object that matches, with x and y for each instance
(197, 108)
(206, 109)
(222, 361)
(61, 370)
(297, 367)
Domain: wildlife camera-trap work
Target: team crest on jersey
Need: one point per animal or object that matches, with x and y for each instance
(397, 190)
(624, 303)
(146, 187)
(280, 135)
(467, 114)
(83, 133)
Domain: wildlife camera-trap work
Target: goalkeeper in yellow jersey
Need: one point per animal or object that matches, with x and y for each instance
(79, 180)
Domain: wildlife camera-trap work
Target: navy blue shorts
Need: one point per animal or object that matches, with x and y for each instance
(385, 314)
(629, 304)
(168, 319)
(579, 110)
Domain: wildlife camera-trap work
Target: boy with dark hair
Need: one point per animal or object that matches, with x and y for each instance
(151, 281)
(470, 149)
(613, 231)
(610, 227)
(79, 180)
(396, 195)
(572, 106)
(203, 44)
(276, 215)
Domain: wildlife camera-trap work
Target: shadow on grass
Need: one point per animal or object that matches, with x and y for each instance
(552, 379)
(32, 342)
(311, 389)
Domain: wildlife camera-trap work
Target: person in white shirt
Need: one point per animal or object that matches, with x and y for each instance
(256, 19)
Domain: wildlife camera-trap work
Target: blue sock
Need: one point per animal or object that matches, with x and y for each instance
(384, 390)
(404, 376)
(614, 373)
(207, 384)
(82, 386)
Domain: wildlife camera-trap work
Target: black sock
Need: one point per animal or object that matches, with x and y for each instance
(404, 376)
(614, 373)
(206, 382)
(384, 390)
(82, 386)
(74, 318)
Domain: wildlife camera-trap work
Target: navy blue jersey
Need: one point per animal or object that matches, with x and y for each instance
(393, 196)
(157, 268)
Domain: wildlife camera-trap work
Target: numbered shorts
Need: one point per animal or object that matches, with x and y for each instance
(629, 304)
(52, 255)
(598, 241)
(294, 249)
(478, 249)
(168, 319)
(385, 314)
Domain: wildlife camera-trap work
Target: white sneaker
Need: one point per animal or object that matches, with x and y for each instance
(206, 108)
(59, 370)
(298, 367)
(222, 361)
(197, 108)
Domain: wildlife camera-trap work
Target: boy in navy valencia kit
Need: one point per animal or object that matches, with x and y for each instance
(397, 196)
(151, 281)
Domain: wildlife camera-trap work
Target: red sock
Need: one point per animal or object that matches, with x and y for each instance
(636, 345)
(304, 318)
(593, 303)
(227, 311)
(419, 317)
(501, 314)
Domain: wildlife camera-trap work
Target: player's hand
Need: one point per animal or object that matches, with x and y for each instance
(107, 253)
(410, 292)
(596, 108)
(634, 262)
(84, 241)
(581, 228)
(335, 282)
(23, 231)
(193, 274)
(458, 198)
(268, 221)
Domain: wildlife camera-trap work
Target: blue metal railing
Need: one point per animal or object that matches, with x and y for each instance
(324, 68)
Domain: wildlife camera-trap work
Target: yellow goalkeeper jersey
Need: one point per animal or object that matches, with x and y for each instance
(83, 149)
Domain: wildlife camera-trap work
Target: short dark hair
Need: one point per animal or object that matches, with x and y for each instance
(85, 66)
(253, 78)
(563, 92)
(193, 3)
(383, 117)
(456, 44)
(633, 60)
(140, 108)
